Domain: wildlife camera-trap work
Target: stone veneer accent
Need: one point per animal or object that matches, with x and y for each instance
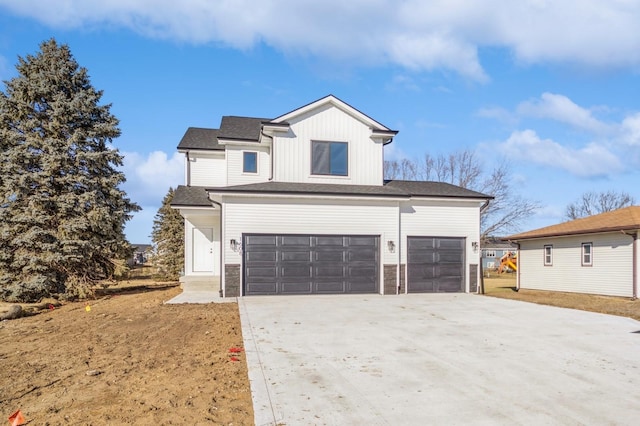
(390, 277)
(473, 278)
(231, 280)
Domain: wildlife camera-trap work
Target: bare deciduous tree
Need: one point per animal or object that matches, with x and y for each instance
(504, 213)
(591, 203)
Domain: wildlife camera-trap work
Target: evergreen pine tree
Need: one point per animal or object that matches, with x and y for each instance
(168, 238)
(62, 213)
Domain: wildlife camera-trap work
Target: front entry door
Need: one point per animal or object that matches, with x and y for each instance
(203, 248)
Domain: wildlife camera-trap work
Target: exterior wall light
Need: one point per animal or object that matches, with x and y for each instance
(391, 246)
(475, 246)
(233, 244)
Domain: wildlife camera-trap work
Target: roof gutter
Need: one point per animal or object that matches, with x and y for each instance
(271, 154)
(484, 206)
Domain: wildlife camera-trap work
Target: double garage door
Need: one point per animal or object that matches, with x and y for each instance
(310, 264)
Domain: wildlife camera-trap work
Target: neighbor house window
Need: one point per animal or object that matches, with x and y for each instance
(329, 158)
(250, 162)
(587, 254)
(548, 255)
(489, 253)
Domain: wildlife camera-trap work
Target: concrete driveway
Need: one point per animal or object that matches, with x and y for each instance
(437, 359)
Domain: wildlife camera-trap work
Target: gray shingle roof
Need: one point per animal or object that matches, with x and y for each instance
(434, 189)
(245, 128)
(401, 189)
(199, 138)
(191, 196)
(240, 128)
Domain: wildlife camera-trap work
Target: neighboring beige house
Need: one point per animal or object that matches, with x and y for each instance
(299, 205)
(596, 254)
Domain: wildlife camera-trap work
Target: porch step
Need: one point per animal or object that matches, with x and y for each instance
(200, 290)
(200, 283)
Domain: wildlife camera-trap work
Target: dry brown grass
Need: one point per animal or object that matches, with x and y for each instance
(504, 285)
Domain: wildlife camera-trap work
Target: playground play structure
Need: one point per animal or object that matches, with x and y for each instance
(508, 262)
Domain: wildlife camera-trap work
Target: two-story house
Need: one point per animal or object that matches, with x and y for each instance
(299, 205)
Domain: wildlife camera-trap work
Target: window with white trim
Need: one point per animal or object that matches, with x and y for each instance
(329, 158)
(489, 253)
(249, 162)
(548, 255)
(587, 254)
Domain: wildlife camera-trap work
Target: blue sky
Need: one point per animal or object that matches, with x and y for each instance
(551, 87)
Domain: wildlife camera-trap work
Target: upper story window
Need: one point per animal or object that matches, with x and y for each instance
(249, 162)
(329, 158)
(587, 254)
(489, 253)
(548, 255)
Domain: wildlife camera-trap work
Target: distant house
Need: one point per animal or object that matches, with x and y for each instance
(597, 255)
(493, 250)
(140, 254)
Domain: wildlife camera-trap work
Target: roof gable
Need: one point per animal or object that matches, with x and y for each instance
(331, 100)
(625, 219)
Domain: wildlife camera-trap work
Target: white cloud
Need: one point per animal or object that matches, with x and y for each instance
(415, 34)
(590, 161)
(630, 130)
(561, 108)
(497, 113)
(149, 178)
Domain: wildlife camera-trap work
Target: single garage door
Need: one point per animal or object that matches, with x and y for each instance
(435, 265)
(310, 264)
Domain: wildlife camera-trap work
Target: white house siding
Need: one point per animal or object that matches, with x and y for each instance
(442, 219)
(293, 151)
(207, 169)
(610, 273)
(201, 218)
(235, 176)
(310, 216)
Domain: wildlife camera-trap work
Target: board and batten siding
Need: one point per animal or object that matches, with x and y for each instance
(235, 176)
(207, 169)
(309, 216)
(610, 273)
(329, 123)
(443, 219)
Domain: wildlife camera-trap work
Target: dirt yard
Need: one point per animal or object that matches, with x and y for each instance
(126, 358)
(504, 285)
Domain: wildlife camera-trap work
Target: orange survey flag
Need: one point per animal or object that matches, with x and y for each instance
(16, 419)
